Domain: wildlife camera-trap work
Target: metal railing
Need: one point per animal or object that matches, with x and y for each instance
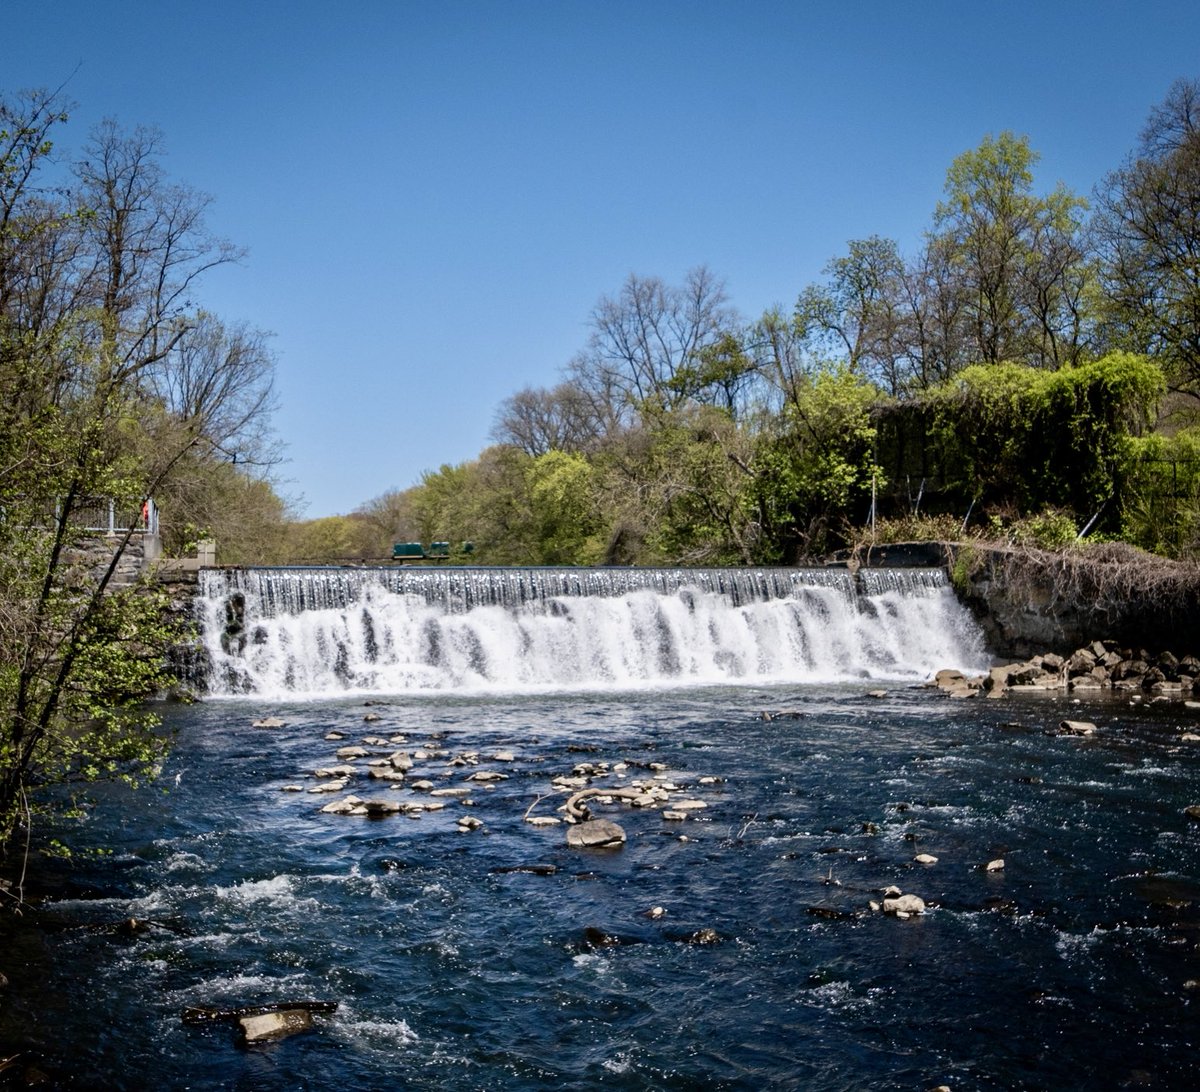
(101, 514)
(1181, 481)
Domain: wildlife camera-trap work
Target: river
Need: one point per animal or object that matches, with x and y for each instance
(732, 949)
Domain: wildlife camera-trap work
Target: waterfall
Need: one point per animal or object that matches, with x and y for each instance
(315, 632)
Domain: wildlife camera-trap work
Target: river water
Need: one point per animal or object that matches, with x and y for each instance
(498, 958)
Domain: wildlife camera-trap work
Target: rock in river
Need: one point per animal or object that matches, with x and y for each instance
(268, 1026)
(595, 833)
(904, 905)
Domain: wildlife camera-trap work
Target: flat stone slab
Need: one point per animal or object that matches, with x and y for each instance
(270, 1026)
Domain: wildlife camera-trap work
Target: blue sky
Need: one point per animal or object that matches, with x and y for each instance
(434, 195)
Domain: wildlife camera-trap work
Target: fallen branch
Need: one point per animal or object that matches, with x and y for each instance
(575, 808)
(535, 804)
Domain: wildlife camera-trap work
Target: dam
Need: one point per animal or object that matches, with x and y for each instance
(316, 632)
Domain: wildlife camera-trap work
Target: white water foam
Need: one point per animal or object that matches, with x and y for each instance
(384, 1036)
(278, 893)
(321, 633)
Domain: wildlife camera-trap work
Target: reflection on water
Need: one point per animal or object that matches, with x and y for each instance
(455, 966)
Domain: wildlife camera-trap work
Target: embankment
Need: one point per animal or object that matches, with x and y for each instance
(1031, 601)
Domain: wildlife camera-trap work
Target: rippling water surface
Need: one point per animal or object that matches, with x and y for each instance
(450, 970)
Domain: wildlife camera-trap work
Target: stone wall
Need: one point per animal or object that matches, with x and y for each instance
(187, 657)
(95, 553)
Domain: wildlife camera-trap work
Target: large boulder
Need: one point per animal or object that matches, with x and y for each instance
(904, 905)
(595, 834)
(1081, 663)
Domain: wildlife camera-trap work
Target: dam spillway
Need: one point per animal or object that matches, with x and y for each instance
(324, 632)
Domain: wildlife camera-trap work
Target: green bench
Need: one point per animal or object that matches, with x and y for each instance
(414, 551)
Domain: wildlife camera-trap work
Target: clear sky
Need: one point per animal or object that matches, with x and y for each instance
(434, 195)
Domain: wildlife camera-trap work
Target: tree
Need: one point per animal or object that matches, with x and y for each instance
(224, 376)
(1026, 439)
(815, 467)
(114, 384)
(565, 521)
(721, 373)
(538, 420)
(329, 539)
(1017, 257)
(934, 328)
(697, 474)
(1003, 275)
(484, 501)
(856, 314)
(1148, 232)
(644, 341)
(776, 350)
(219, 500)
(388, 519)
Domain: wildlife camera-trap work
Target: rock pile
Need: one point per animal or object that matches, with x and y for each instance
(426, 778)
(1101, 666)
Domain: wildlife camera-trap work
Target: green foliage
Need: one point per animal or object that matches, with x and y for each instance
(689, 472)
(1160, 509)
(327, 539)
(966, 559)
(517, 509)
(386, 520)
(116, 391)
(242, 513)
(857, 315)
(1009, 436)
(912, 528)
(479, 501)
(1048, 530)
(564, 518)
(78, 655)
(1020, 270)
(817, 465)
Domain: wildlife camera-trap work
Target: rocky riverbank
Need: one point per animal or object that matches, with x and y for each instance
(1099, 667)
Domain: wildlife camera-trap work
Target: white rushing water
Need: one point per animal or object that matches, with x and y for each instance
(285, 633)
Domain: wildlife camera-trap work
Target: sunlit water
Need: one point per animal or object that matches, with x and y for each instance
(322, 632)
(1068, 969)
